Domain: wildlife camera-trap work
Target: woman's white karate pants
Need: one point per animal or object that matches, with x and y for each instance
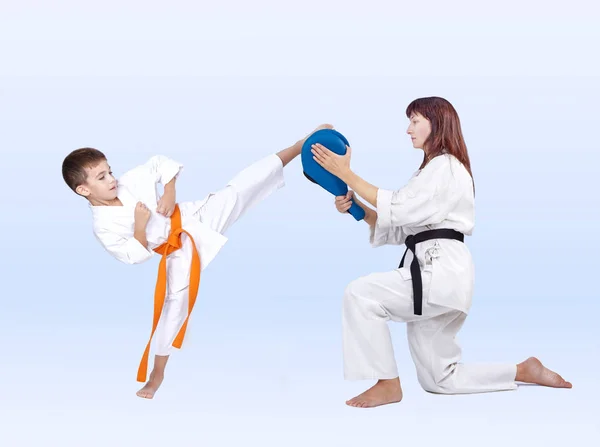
(221, 210)
(373, 300)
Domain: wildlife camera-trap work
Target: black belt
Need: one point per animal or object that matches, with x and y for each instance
(415, 270)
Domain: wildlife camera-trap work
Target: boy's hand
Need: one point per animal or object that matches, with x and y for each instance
(166, 204)
(141, 214)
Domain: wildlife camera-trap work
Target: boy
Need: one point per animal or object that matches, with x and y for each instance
(132, 222)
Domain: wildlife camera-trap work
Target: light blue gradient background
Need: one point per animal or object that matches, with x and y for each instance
(220, 86)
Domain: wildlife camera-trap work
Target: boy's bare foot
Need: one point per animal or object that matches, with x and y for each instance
(384, 392)
(147, 392)
(288, 154)
(532, 371)
(321, 127)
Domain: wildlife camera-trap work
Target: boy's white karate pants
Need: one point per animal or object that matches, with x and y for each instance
(248, 188)
(220, 211)
(373, 300)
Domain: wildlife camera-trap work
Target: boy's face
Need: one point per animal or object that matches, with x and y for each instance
(100, 184)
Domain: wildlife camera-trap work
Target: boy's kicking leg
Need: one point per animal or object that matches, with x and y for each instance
(249, 187)
(287, 155)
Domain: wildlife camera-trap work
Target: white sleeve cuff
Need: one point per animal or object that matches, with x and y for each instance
(168, 170)
(136, 253)
(384, 211)
(377, 238)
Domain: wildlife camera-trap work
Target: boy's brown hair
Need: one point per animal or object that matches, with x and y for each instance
(74, 165)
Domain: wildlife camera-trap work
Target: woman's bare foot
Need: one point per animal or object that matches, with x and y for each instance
(384, 392)
(532, 371)
(147, 392)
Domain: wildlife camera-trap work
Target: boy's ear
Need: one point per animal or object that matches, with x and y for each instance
(82, 191)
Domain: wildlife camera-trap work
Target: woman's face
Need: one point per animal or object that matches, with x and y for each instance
(419, 129)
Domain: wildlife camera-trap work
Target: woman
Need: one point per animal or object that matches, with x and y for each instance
(432, 293)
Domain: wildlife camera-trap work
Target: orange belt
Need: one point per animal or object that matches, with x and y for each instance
(172, 244)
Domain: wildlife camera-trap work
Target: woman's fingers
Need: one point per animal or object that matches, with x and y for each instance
(344, 207)
(343, 203)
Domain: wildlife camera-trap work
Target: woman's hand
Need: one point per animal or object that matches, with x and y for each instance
(343, 203)
(338, 165)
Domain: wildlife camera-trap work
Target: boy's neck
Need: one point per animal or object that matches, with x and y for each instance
(115, 202)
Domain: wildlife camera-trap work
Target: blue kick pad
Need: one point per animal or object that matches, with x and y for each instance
(335, 142)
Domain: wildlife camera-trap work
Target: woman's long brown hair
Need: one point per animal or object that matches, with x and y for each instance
(446, 134)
